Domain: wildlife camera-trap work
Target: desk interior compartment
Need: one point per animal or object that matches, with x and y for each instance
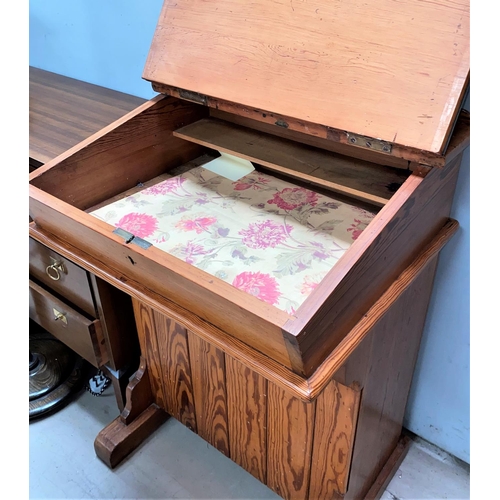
(168, 136)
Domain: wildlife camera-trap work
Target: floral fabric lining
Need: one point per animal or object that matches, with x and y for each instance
(262, 235)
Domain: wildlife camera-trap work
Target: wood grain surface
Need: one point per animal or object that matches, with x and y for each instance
(299, 449)
(79, 332)
(306, 389)
(114, 309)
(209, 388)
(146, 329)
(175, 369)
(73, 282)
(338, 141)
(138, 394)
(247, 418)
(290, 429)
(460, 139)
(131, 150)
(117, 440)
(334, 431)
(392, 70)
(415, 215)
(396, 337)
(386, 474)
(263, 124)
(366, 182)
(64, 111)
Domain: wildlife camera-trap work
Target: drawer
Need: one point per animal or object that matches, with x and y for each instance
(78, 332)
(62, 276)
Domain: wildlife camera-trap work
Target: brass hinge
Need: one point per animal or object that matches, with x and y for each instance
(196, 97)
(130, 238)
(369, 143)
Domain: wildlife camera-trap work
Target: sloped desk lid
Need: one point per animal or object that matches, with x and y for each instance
(394, 70)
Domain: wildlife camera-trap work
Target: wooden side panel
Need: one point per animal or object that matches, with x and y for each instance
(386, 376)
(117, 317)
(289, 436)
(247, 412)
(209, 391)
(146, 330)
(334, 430)
(175, 370)
(417, 212)
(133, 149)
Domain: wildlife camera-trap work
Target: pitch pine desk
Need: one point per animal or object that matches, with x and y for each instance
(351, 114)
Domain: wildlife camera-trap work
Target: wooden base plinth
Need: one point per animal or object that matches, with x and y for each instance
(116, 441)
(390, 468)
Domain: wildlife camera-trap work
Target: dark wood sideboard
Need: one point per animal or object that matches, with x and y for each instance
(84, 312)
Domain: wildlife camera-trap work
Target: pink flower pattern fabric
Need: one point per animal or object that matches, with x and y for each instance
(141, 225)
(261, 285)
(265, 236)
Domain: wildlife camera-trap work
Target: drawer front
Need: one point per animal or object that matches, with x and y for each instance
(62, 276)
(78, 332)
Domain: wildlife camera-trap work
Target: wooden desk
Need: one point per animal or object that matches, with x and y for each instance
(310, 399)
(65, 111)
(98, 318)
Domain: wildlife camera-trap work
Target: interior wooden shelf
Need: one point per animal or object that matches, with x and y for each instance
(355, 178)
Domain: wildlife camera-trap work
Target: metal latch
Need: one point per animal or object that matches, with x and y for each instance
(130, 238)
(369, 143)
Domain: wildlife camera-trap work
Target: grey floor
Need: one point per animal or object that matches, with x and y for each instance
(175, 463)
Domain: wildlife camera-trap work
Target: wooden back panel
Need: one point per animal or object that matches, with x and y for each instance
(418, 212)
(391, 70)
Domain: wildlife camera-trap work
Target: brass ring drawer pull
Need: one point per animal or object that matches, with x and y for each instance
(55, 270)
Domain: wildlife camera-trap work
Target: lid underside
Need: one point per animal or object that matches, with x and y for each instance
(394, 70)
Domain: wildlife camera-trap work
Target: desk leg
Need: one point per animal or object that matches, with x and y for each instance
(138, 420)
(119, 380)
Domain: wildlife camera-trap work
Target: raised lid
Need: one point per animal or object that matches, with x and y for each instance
(394, 70)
